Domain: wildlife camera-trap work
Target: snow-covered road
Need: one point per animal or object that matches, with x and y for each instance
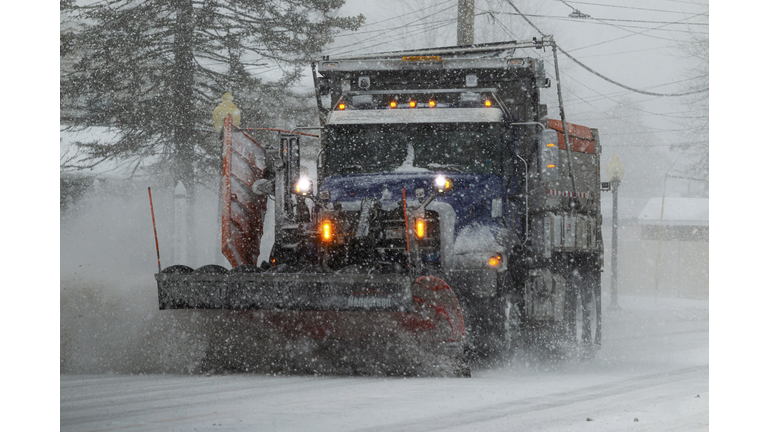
(652, 374)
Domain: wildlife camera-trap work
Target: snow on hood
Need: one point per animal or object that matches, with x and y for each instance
(476, 238)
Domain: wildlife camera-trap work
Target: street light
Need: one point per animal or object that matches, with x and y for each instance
(225, 107)
(615, 170)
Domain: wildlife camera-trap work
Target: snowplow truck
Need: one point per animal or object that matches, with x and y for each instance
(446, 204)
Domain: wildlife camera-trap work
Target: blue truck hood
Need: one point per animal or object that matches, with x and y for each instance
(470, 198)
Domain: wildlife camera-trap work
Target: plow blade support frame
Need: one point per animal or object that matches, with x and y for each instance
(285, 291)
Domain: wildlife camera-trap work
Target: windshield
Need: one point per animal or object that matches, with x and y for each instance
(466, 147)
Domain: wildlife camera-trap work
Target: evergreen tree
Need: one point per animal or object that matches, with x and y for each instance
(153, 71)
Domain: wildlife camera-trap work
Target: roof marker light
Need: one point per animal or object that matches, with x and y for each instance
(488, 102)
(432, 104)
(342, 106)
(393, 104)
(412, 104)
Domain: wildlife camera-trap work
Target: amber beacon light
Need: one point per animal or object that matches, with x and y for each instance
(421, 228)
(326, 231)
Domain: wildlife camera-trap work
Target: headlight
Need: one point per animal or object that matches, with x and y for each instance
(443, 184)
(303, 186)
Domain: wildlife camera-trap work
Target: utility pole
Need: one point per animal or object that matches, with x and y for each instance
(465, 24)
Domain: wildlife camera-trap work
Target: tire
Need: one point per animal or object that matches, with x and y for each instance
(495, 327)
(211, 269)
(246, 268)
(177, 269)
(510, 326)
(583, 315)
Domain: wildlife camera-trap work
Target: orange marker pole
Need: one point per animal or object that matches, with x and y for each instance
(157, 245)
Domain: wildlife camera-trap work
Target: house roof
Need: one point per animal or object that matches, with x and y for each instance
(677, 211)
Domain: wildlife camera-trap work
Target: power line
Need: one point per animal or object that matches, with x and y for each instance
(601, 75)
(583, 20)
(600, 95)
(429, 27)
(628, 87)
(626, 7)
(356, 43)
(620, 93)
(626, 36)
(620, 53)
(625, 27)
(687, 2)
(604, 21)
(393, 18)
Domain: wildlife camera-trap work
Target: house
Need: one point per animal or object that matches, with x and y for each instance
(664, 254)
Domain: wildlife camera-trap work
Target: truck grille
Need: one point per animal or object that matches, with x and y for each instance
(384, 243)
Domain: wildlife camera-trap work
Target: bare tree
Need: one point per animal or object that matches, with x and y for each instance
(697, 123)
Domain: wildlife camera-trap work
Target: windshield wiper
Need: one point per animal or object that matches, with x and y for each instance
(444, 167)
(351, 169)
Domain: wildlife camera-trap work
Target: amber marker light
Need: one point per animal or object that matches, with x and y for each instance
(551, 166)
(494, 260)
(432, 104)
(412, 104)
(488, 103)
(551, 145)
(421, 228)
(326, 231)
(342, 106)
(393, 104)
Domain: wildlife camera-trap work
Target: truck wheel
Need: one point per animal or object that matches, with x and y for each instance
(510, 326)
(246, 268)
(584, 315)
(177, 269)
(495, 327)
(211, 269)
